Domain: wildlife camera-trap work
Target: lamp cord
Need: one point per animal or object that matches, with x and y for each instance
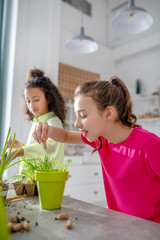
(82, 9)
(130, 3)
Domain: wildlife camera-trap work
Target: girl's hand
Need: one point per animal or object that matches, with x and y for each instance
(43, 131)
(40, 132)
(19, 154)
(17, 144)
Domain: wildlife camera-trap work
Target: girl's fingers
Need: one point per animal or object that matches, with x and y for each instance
(44, 130)
(35, 134)
(10, 142)
(40, 132)
(17, 143)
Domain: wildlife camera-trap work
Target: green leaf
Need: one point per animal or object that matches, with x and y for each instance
(5, 162)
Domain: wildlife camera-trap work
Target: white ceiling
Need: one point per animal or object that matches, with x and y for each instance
(115, 39)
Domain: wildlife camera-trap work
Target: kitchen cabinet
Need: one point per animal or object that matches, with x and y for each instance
(86, 183)
(146, 107)
(147, 111)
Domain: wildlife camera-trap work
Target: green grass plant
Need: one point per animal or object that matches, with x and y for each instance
(48, 163)
(6, 159)
(26, 169)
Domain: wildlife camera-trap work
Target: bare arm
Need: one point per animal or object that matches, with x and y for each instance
(17, 143)
(19, 154)
(43, 131)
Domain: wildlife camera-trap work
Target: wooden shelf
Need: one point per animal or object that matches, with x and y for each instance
(148, 119)
(141, 98)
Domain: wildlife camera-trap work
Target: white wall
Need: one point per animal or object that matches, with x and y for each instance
(43, 26)
(139, 60)
(37, 45)
(42, 31)
(100, 61)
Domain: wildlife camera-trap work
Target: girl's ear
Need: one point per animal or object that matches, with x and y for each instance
(109, 112)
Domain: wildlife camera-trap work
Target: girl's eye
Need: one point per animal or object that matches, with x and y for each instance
(83, 116)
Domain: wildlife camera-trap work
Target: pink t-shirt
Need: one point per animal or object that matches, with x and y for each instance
(131, 174)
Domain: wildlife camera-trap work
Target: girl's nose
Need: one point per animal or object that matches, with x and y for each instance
(77, 124)
(32, 104)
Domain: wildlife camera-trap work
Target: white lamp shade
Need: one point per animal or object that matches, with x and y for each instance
(81, 44)
(132, 20)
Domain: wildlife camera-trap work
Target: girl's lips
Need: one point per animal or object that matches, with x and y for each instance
(34, 110)
(84, 132)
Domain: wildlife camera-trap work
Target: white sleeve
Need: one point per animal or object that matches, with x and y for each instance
(36, 150)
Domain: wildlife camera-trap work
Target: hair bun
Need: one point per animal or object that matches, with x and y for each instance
(35, 73)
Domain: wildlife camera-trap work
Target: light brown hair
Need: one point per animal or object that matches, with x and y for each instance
(110, 93)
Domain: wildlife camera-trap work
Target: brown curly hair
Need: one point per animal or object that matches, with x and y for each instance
(36, 79)
(110, 93)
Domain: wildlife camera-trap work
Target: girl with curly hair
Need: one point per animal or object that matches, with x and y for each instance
(42, 102)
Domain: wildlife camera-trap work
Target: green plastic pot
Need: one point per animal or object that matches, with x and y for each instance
(50, 188)
(4, 233)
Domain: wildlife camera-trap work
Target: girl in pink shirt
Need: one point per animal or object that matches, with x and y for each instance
(129, 154)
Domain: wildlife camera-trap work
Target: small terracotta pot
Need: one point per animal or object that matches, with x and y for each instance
(19, 187)
(30, 188)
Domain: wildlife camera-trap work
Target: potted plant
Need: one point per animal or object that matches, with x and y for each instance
(25, 180)
(6, 159)
(51, 180)
(18, 185)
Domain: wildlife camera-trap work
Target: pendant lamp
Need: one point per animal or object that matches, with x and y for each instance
(132, 19)
(81, 43)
